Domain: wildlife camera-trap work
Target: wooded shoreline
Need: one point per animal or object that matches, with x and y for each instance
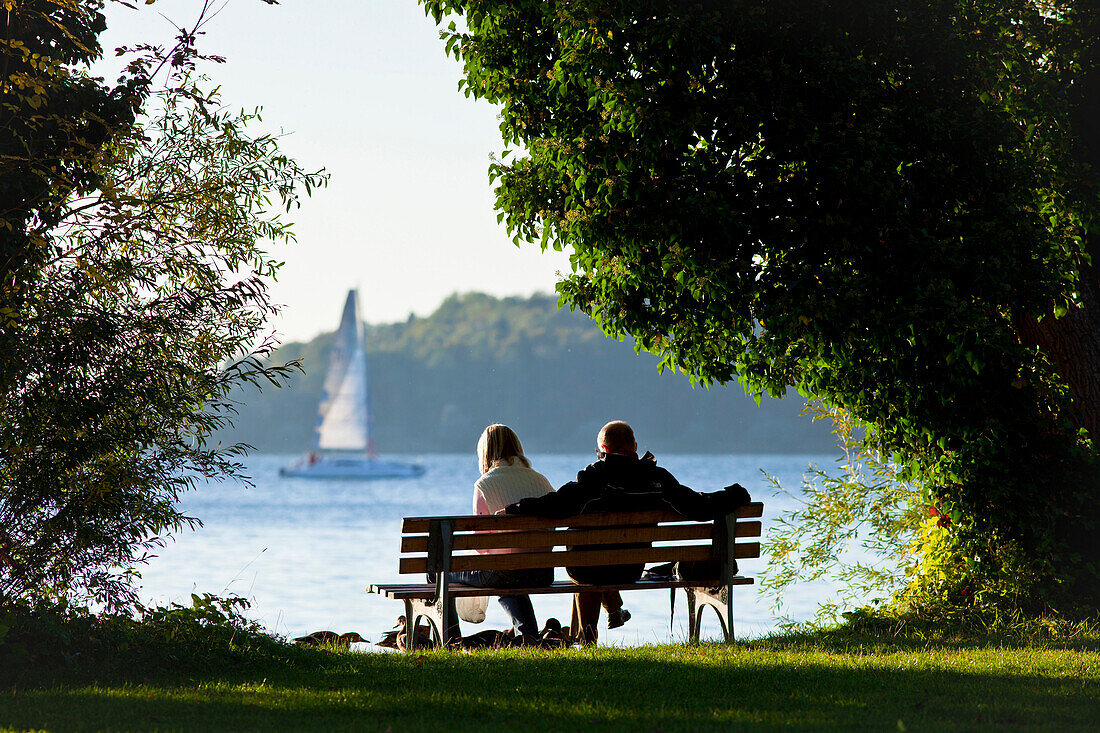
(437, 381)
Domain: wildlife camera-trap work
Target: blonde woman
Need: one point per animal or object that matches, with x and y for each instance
(506, 477)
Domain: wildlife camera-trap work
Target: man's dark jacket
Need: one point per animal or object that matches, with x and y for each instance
(619, 483)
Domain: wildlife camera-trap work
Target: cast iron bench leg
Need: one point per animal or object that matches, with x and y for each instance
(417, 609)
(698, 600)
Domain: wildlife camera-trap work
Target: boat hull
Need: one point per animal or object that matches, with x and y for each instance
(351, 467)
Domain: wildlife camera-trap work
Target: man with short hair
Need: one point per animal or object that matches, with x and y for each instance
(620, 481)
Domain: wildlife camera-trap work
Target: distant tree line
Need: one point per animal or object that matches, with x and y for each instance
(551, 374)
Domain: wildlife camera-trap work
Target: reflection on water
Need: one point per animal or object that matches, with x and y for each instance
(304, 551)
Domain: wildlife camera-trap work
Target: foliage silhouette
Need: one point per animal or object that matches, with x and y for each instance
(132, 295)
(888, 207)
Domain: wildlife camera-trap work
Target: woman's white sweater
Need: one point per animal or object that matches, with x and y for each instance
(503, 484)
(506, 484)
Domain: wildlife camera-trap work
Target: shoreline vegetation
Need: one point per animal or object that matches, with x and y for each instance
(208, 668)
(549, 373)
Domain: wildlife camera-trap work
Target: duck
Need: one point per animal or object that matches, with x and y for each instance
(396, 638)
(488, 639)
(389, 639)
(329, 638)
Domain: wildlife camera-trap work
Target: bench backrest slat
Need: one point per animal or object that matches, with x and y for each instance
(587, 540)
(488, 522)
(544, 538)
(578, 558)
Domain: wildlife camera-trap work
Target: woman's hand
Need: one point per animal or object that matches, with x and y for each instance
(500, 511)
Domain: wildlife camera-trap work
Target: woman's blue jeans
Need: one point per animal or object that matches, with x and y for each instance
(519, 607)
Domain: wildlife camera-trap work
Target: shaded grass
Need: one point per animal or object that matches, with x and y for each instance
(806, 682)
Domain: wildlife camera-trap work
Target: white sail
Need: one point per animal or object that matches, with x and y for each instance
(346, 422)
(342, 445)
(345, 406)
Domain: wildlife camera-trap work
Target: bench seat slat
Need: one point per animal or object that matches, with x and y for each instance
(465, 523)
(402, 591)
(578, 558)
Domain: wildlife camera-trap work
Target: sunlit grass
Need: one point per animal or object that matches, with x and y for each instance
(857, 683)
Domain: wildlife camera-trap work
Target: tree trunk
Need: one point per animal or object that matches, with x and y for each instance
(1073, 344)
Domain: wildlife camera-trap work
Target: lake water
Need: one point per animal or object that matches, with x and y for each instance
(303, 551)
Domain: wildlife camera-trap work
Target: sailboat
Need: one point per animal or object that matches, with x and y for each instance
(342, 445)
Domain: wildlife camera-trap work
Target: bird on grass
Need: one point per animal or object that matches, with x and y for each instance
(397, 638)
(329, 638)
(389, 639)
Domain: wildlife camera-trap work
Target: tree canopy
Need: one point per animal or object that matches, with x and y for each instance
(135, 222)
(890, 207)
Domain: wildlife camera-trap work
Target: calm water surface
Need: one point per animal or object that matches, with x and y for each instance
(303, 551)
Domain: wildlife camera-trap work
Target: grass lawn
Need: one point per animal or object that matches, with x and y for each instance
(793, 683)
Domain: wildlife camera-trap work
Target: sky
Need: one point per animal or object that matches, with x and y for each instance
(363, 89)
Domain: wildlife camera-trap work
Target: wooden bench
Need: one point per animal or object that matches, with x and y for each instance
(445, 544)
